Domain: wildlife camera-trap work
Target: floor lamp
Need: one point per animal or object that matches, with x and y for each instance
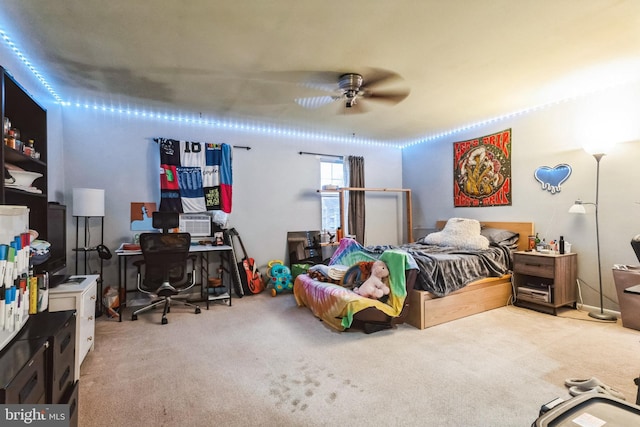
(88, 203)
(578, 208)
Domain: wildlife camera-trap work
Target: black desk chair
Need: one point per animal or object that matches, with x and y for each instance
(163, 271)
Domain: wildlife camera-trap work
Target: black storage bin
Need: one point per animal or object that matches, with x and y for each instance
(59, 328)
(22, 377)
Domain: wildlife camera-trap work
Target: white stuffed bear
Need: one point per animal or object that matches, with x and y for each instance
(375, 286)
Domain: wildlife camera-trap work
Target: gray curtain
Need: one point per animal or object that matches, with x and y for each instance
(356, 198)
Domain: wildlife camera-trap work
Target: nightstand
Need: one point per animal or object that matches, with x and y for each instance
(544, 282)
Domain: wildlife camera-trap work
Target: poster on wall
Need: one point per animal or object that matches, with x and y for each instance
(482, 171)
(142, 216)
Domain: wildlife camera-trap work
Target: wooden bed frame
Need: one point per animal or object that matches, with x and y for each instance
(426, 309)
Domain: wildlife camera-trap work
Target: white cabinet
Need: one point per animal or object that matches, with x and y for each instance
(82, 298)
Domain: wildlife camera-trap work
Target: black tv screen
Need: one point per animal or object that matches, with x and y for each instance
(57, 237)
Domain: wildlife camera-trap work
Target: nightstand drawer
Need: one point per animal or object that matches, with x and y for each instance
(534, 265)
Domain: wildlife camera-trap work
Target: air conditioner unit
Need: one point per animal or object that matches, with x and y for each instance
(198, 225)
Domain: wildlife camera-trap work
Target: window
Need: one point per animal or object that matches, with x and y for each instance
(331, 173)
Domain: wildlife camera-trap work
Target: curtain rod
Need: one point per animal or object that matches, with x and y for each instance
(244, 147)
(320, 154)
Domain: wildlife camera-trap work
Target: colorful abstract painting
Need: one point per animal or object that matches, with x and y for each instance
(482, 171)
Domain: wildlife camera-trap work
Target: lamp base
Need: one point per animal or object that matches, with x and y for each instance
(603, 316)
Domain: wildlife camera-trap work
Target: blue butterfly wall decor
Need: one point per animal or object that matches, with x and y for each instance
(552, 178)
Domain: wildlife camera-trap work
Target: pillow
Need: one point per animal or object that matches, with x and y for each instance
(500, 236)
(459, 233)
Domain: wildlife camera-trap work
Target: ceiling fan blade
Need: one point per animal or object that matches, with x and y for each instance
(316, 101)
(393, 97)
(377, 77)
(326, 81)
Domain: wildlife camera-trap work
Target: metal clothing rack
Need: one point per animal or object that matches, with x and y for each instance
(407, 192)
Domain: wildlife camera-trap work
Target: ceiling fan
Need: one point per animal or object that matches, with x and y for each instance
(352, 91)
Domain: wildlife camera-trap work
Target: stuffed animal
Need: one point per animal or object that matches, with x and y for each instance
(375, 286)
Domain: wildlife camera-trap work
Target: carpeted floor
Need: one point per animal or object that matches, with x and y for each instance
(266, 362)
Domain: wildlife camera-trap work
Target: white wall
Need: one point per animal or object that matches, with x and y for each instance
(274, 187)
(549, 137)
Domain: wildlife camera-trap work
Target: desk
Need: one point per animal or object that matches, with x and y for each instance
(225, 252)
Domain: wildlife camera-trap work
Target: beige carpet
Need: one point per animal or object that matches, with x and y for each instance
(266, 362)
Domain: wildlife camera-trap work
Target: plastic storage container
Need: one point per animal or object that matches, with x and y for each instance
(624, 277)
(14, 220)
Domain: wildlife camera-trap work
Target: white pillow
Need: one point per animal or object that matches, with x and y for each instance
(459, 233)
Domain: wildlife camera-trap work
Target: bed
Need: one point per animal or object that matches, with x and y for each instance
(427, 309)
(424, 294)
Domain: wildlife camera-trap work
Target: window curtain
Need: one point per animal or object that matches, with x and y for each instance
(355, 207)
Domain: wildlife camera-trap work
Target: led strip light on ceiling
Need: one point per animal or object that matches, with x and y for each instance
(196, 120)
(276, 130)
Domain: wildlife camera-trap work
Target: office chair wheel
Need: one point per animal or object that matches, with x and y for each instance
(134, 317)
(164, 321)
(198, 310)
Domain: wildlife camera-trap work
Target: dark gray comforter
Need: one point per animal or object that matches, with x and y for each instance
(446, 269)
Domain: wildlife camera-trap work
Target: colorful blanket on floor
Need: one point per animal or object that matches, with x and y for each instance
(337, 305)
(194, 176)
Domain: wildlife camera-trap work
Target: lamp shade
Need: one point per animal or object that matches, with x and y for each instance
(88, 202)
(577, 208)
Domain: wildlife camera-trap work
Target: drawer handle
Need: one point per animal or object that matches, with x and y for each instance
(28, 388)
(90, 317)
(89, 338)
(65, 342)
(93, 297)
(72, 407)
(64, 378)
(533, 265)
